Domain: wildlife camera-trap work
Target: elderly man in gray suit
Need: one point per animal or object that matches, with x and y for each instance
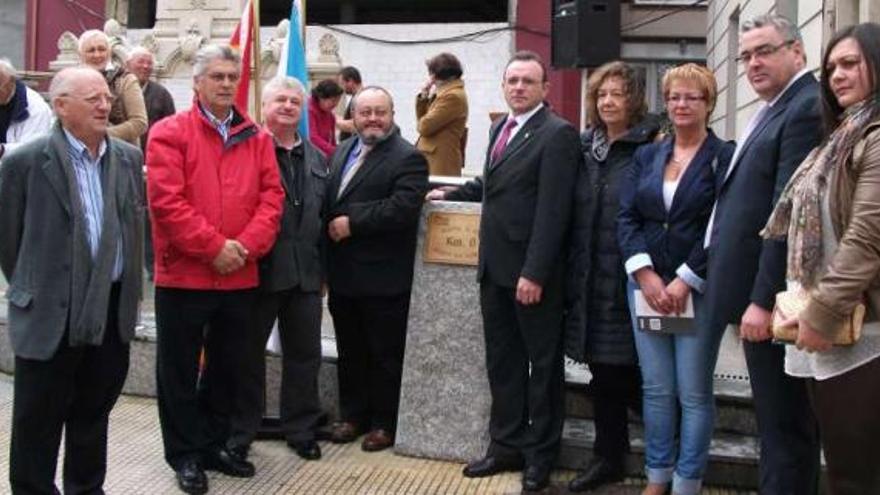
(71, 214)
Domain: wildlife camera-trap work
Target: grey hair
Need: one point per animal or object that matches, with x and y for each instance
(278, 83)
(89, 35)
(7, 68)
(781, 24)
(210, 53)
(138, 51)
(67, 79)
(363, 90)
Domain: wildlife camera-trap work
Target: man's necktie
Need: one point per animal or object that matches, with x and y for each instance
(352, 169)
(501, 142)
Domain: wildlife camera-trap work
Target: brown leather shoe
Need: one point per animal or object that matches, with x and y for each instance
(344, 432)
(377, 440)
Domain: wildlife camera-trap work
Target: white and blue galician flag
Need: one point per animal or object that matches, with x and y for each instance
(293, 60)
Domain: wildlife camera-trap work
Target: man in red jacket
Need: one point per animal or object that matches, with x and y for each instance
(215, 198)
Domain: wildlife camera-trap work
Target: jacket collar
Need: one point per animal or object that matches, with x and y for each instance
(19, 110)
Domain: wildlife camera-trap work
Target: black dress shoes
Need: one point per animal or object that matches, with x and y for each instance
(536, 478)
(491, 465)
(191, 478)
(307, 449)
(231, 463)
(599, 472)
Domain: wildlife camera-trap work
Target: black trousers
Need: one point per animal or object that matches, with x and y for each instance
(73, 391)
(789, 461)
(194, 407)
(527, 411)
(299, 327)
(615, 389)
(846, 407)
(370, 338)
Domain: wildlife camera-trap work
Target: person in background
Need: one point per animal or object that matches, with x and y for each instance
(71, 207)
(290, 284)
(598, 328)
(442, 111)
(159, 105)
(665, 202)
(128, 115)
(350, 80)
(745, 272)
(157, 99)
(215, 199)
(830, 214)
(23, 113)
(322, 121)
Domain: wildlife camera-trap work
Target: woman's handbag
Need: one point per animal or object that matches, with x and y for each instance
(789, 303)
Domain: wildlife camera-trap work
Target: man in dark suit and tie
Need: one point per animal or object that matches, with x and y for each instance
(526, 189)
(745, 272)
(72, 215)
(373, 202)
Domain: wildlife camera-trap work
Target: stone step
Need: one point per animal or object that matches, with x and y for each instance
(732, 414)
(733, 458)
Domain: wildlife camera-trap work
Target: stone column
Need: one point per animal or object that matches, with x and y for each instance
(444, 398)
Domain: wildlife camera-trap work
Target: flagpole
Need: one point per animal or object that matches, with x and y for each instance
(303, 28)
(256, 55)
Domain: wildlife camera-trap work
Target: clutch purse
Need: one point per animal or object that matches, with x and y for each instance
(789, 303)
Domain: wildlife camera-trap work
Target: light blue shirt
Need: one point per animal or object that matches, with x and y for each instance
(88, 179)
(222, 126)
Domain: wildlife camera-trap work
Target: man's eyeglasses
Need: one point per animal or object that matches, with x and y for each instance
(219, 77)
(761, 52)
(93, 100)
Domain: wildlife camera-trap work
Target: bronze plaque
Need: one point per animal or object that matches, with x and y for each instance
(452, 238)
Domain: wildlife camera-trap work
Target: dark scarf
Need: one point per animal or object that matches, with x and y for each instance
(14, 111)
(797, 216)
(92, 279)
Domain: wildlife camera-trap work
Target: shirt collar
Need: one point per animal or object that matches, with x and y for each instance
(790, 82)
(214, 120)
(523, 118)
(79, 147)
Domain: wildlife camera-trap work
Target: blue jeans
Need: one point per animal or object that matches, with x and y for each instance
(677, 370)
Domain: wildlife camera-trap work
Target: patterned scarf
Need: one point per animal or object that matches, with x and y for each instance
(797, 217)
(600, 145)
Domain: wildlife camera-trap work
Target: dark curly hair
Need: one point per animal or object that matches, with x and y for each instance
(444, 66)
(326, 89)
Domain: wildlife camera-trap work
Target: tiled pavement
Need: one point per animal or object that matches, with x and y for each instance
(137, 467)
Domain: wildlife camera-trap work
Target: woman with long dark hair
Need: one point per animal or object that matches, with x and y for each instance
(829, 213)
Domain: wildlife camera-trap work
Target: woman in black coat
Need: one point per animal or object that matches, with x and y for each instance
(598, 325)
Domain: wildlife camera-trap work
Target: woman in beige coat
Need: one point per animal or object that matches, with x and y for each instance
(829, 214)
(442, 111)
(128, 115)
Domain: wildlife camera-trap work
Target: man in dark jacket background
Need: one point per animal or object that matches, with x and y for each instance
(290, 285)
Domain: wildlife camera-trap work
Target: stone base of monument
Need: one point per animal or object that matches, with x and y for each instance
(444, 397)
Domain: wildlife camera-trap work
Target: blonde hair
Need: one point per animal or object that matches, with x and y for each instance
(702, 77)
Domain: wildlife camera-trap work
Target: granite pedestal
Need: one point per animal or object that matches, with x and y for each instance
(444, 399)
